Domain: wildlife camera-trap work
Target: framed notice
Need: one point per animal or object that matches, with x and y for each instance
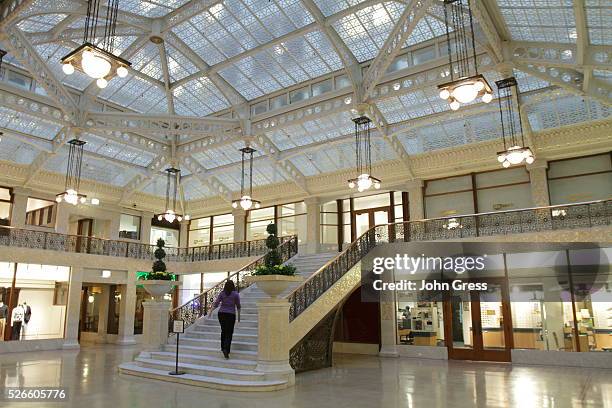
(178, 326)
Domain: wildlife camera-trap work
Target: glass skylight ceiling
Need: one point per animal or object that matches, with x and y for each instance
(540, 20)
(251, 44)
(366, 30)
(599, 21)
(234, 26)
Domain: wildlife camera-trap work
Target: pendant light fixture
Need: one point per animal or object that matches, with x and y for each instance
(98, 61)
(246, 201)
(515, 151)
(466, 83)
(363, 150)
(173, 181)
(71, 193)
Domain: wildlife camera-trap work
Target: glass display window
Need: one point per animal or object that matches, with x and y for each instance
(580, 179)
(420, 321)
(129, 226)
(40, 212)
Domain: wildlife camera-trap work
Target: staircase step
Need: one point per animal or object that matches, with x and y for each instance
(205, 360)
(215, 336)
(202, 381)
(211, 351)
(203, 370)
(236, 345)
(217, 329)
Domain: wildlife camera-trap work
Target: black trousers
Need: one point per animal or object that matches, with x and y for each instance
(227, 321)
(16, 333)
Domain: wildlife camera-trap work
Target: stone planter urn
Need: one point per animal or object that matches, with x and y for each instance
(273, 285)
(157, 288)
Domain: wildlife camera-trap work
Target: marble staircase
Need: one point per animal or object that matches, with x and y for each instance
(200, 347)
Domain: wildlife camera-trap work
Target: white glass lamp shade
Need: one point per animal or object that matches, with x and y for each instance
(95, 201)
(68, 69)
(170, 216)
(122, 72)
(95, 66)
(102, 83)
(187, 217)
(160, 217)
(351, 184)
(530, 159)
(515, 155)
(486, 98)
(465, 93)
(246, 202)
(454, 105)
(444, 94)
(364, 182)
(235, 204)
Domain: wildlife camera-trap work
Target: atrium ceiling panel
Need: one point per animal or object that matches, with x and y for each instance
(536, 20)
(40, 23)
(366, 30)
(179, 66)
(599, 21)
(201, 96)
(16, 151)
(150, 8)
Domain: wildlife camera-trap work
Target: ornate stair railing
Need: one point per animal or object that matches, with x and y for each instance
(558, 217)
(202, 304)
(48, 240)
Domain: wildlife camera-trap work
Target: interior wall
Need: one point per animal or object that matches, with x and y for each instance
(358, 322)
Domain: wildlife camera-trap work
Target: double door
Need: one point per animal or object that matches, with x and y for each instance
(363, 220)
(480, 325)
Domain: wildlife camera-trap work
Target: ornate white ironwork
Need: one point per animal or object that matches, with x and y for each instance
(140, 181)
(292, 172)
(206, 179)
(412, 14)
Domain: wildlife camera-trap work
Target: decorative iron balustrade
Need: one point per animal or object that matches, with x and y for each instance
(559, 217)
(202, 303)
(48, 240)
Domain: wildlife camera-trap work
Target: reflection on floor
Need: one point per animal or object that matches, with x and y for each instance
(92, 379)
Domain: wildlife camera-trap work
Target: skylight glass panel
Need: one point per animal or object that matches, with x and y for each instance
(198, 43)
(179, 66)
(603, 75)
(120, 43)
(599, 21)
(134, 88)
(150, 98)
(539, 20)
(366, 30)
(330, 7)
(15, 151)
(563, 111)
(426, 29)
(527, 83)
(194, 189)
(53, 53)
(242, 82)
(147, 60)
(24, 123)
(201, 96)
(412, 105)
(40, 23)
(305, 165)
(150, 8)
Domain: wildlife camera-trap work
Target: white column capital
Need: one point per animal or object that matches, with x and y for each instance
(414, 184)
(239, 212)
(22, 191)
(312, 201)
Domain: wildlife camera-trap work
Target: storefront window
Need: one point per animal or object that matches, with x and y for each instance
(450, 196)
(592, 283)
(129, 227)
(5, 206)
(40, 212)
(38, 304)
(503, 190)
(199, 232)
(171, 236)
(257, 222)
(292, 220)
(373, 201)
(419, 322)
(540, 301)
(581, 179)
(223, 229)
(91, 305)
(329, 223)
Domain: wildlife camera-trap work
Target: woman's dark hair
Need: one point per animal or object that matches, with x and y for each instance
(229, 287)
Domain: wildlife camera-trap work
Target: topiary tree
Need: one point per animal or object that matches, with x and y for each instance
(159, 266)
(273, 257)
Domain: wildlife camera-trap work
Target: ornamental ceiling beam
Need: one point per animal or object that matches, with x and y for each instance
(482, 13)
(162, 125)
(141, 181)
(166, 72)
(207, 179)
(10, 11)
(405, 25)
(559, 55)
(41, 159)
(25, 53)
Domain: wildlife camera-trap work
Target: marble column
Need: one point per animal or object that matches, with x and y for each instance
(313, 225)
(19, 207)
(103, 314)
(239, 224)
(155, 324)
(73, 309)
(539, 183)
(388, 323)
(273, 335)
(127, 310)
(184, 234)
(415, 199)
(145, 227)
(62, 218)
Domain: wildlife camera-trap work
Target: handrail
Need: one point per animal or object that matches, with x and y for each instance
(201, 304)
(578, 215)
(50, 240)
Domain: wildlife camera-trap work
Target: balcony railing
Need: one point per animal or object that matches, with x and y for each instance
(34, 239)
(202, 303)
(559, 217)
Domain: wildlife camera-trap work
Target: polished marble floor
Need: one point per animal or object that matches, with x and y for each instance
(355, 382)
